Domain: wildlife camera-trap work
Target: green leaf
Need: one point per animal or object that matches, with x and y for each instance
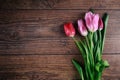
(101, 65)
(103, 32)
(98, 55)
(97, 66)
(79, 68)
(105, 64)
(95, 48)
(95, 38)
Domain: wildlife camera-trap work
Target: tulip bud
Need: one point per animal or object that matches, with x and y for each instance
(82, 28)
(100, 24)
(69, 29)
(92, 21)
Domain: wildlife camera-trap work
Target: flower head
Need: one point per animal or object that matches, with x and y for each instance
(100, 24)
(69, 29)
(82, 28)
(91, 21)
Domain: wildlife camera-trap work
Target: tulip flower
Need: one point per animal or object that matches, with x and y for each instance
(92, 45)
(100, 24)
(82, 28)
(91, 21)
(69, 29)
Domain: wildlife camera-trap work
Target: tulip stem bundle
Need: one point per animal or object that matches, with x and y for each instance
(91, 47)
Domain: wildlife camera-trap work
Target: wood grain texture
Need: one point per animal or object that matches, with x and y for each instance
(33, 45)
(59, 4)
(34, 31)
(50, 67)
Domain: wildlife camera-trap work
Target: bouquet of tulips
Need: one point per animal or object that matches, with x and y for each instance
(93, 30)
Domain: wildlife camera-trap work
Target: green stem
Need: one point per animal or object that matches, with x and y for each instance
(88, 44)
(90, 66)
(91, 51)
(87, 66)
(98, 76)
(100, 41)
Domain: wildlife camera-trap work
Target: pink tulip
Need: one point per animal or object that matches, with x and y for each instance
(82, 28)
(69, 29)
(92, 21)
(100, 24)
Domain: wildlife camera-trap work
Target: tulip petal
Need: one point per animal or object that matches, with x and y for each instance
(88, 19)
(69, 29)
(100, 24)
(95, 22)
(82, 28)
(91, 21)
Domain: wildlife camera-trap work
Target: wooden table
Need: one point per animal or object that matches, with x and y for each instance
(33, 45)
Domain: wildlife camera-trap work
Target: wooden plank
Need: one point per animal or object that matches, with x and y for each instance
(36, 32)
(59, 4)
(50, 67)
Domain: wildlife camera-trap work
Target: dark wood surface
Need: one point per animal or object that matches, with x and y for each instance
(33, 45)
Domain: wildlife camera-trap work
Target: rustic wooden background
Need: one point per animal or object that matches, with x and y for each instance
(33, 45)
